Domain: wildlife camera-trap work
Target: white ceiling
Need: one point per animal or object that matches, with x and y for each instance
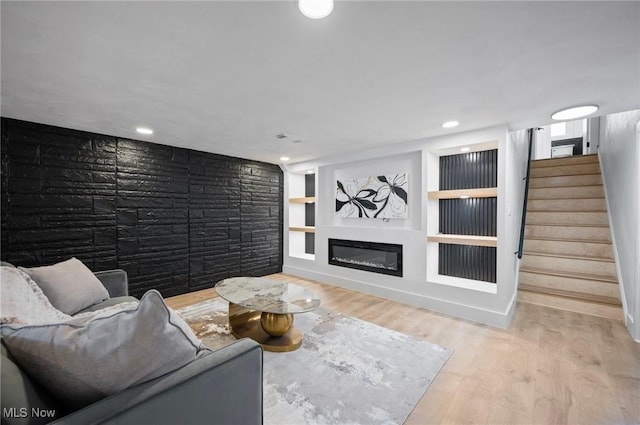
(226, 77)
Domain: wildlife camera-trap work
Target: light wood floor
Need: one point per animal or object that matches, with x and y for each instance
(549, 367)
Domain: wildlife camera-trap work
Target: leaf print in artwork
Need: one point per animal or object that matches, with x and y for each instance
(373, 197)
(353, 201)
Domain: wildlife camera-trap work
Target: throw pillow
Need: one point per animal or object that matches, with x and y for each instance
(23, 302)
(69, 285)
(80, 361)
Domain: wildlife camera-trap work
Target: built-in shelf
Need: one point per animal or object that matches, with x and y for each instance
(464, 239)
(485, 192)
(303, 200)
(306, 229)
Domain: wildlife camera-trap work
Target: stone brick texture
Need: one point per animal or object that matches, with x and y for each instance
(177, 220)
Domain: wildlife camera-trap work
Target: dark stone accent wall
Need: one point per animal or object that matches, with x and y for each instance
(152, 208)
(176, 220)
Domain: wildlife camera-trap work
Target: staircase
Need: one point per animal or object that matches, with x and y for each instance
(567, 260)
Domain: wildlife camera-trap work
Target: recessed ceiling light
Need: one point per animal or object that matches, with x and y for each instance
(309, 171)
(574, 112)
(465, 149)
(284, 158)
(315, 9)
(144, 130)
(450, 124)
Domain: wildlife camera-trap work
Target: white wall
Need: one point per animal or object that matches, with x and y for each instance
(494, 308)
(620, 160)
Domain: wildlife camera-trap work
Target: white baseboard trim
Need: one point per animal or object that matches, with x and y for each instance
(492, 318)
(628, 318)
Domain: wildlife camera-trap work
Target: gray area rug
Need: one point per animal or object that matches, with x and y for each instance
(347, 371)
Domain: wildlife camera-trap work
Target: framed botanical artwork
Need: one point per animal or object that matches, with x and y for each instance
(373, 197)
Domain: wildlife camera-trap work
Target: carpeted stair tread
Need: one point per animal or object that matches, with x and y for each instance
(565, 181)
(608, 311)
(575, 275)
(570, 225)
(572, 257)
(571, 294)
(568, 218)
(555, 239)
(573, 160)
(566, 170)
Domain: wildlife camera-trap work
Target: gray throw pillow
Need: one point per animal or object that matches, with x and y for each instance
(69, 285)
(80, 361)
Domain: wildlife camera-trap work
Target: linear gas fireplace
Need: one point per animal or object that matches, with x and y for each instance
(374, 257)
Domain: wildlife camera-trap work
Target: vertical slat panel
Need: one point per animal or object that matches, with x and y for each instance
(467, 262)
(472, 216)
(309, 213)
(469, 170)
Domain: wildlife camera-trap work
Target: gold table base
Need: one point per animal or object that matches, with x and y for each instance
(275, 332)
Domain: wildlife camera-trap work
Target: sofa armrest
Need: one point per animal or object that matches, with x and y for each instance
(115, 281)
(224, 387)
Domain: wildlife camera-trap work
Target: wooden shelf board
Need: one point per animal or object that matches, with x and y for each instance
(464, 239)
(306, 229)
(485, 192)
(304, 200)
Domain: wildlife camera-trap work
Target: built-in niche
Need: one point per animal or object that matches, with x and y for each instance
(467, 215)
(391, 188)
(302, 215)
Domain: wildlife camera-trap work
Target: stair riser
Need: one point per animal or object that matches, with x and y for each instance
(567, 232)
(575, 192)
(572, 160)
(570, 265)
(591, 287)
(566, 181)
(593, 309)
(585, 249)
(597, 204)
(566, 170)
(568, 218)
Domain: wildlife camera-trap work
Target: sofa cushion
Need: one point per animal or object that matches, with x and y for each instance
(84, 360)
(69, 285)
(20, 395)
(23, 302)
(111, 302)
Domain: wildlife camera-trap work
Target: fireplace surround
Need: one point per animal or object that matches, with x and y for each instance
(373, 257)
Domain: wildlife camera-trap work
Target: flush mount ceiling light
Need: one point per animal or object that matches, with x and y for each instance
(465, 149)
(284, 158)
(315, 9)
(574, 112)
(450, 124)
(144, 130)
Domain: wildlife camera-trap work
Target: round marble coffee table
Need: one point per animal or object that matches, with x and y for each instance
(262, 309)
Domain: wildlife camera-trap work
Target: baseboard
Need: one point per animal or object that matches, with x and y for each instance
(629, 323)
(628, 318)
(492, 318)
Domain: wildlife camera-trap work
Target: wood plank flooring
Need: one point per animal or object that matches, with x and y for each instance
(550, 367)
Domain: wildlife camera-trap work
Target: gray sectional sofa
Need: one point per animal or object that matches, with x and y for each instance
(223, 387)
